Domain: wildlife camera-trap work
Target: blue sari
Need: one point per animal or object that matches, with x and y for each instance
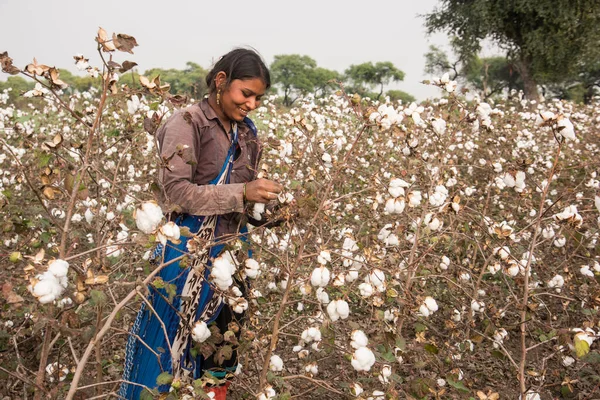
(150, 350)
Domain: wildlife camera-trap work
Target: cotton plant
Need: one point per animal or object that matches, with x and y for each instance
(445, 83)
(560, 123)
(311, 369)
(338, 309)
(221, 273)
(438, 197)
(363, 359)
(276, 363)
(200, 332)
(320, 276)
(570, 214)
(387, 237)
(428, 307)
(148, 217)
(50, 285)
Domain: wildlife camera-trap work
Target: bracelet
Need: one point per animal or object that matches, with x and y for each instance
(244, 193)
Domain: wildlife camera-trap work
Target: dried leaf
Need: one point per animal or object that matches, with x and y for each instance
(102, 38)
(124, 42)
(7, 65)
(178, 100)
(53, 75)
(151, 124)
(113, 64)
(112, 86)
(97, 280)
(146, 82)
(127, 65)
(48, 192)
(56, 142)
(9, 295)
(224, 353)
(186, 154)
(38, 258)
(36, 69)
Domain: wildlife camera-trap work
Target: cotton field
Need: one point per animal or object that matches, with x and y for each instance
(447, 249)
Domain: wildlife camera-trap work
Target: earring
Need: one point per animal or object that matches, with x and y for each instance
(219, 97)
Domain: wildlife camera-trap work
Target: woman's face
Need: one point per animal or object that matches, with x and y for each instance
(241, 97)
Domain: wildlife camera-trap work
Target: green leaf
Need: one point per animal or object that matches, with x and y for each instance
(592, 358)
(44, 159)
(431, 348)
(146, 395)
(388, 356)
(401, 343)
(420, 327)
(171, 291)
(158, 283)
(164, 378)
(581, 347)
(457, 384)
(97, 298)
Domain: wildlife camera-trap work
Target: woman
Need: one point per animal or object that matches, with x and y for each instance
(211, 181)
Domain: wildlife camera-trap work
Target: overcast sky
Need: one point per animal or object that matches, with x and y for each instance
(169, 33)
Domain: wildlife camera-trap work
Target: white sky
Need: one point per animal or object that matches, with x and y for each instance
(169, 33)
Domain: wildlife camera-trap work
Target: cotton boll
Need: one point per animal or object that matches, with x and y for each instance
(366, 289)
(171, 231)
(320, 277)
(356, 389)
(258, 210)
(58, 268)
(89, 216)
(276, 363)
(431, 304)
(200, 332)
(338, 309)
(252, 268)
(363, 359)
(377, 279)
(445, 263)
(324, 257)
(322, 296)
(566, 129)
(386, 372)
(311, 334)
(238, 305)
(221, 273)
(358, 339)
(148, 216)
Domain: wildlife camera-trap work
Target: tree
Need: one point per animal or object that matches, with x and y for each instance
(492, 75)
(437, 63)
(396, 95)
(295, 75)
(372, 75)
(544, 39)
(189, 81)
(324, 80)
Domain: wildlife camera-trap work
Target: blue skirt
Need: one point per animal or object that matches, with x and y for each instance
(147, 354)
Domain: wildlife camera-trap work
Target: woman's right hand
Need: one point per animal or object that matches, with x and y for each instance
(262, 190)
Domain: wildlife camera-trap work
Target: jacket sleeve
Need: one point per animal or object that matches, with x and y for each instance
(178, 178)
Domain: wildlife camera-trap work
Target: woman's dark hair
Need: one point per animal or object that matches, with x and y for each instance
(239, 64)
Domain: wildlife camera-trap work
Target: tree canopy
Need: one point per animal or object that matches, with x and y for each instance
(372, 75)
(487, 75)
(547, 40)
(190, 81)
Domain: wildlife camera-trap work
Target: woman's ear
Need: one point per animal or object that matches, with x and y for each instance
(220, 79)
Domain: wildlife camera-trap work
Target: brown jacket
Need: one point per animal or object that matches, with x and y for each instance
(186, 185)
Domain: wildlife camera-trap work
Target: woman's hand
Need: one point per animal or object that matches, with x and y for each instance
(262, 190)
